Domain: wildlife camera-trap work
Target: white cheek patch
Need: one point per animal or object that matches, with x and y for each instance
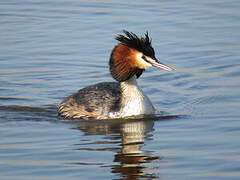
(141, 62)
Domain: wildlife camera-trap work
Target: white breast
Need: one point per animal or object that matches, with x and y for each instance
(134, 102)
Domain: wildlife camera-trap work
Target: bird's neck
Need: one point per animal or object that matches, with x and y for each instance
(134, 102)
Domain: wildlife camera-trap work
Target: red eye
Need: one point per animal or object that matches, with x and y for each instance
(144, 57)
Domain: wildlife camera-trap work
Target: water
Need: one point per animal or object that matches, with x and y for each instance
(50, 49)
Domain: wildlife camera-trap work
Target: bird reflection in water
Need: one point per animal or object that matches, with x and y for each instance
(130, 136)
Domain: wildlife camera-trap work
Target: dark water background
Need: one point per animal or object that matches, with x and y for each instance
(50, 49)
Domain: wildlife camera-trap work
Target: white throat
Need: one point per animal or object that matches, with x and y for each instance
(134, 102)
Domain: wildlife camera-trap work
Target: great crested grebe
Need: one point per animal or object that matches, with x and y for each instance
(117, 99)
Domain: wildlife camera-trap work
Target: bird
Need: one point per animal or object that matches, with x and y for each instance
(123, 98)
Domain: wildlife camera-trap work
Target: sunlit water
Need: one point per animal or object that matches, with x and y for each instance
(50, 49)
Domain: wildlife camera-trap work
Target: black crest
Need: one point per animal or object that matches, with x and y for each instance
(142, 44)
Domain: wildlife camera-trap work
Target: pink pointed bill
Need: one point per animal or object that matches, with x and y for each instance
(160, 65)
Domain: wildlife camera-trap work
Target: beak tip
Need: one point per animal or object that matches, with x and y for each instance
(173, 69)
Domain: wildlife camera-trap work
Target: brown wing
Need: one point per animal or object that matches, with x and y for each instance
(95, 101)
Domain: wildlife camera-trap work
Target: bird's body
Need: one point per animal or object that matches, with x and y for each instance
(117, 99)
